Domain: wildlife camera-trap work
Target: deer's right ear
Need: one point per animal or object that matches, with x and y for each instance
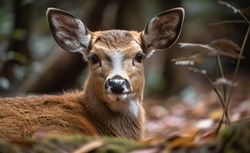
(68, 31)
(163, 30)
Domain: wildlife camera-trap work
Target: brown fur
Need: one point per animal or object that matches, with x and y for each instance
(22, 117)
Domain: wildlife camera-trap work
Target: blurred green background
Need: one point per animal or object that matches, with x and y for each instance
(31, 61)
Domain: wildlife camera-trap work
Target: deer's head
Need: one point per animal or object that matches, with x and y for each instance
(116, 56)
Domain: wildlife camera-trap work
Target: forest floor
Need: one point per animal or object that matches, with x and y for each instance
(185, 123)
(193, 119)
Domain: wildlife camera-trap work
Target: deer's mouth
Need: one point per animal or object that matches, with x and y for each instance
(118, 97)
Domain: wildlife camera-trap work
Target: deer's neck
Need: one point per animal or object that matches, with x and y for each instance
(126, 123)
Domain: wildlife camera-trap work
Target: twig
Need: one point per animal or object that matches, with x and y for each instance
(241, 50)
(215, 90)
(220, 124)
(235, 10)
(211, 84)
(224, 89)
(230, 6)
(237, 67)
(227, 22)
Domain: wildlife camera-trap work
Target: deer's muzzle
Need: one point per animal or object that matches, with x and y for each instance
(117, 85)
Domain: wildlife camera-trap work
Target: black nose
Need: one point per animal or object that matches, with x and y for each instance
(117, 84)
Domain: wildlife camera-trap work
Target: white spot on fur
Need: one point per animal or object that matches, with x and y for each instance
(123, 105)
(134, 108)
(117, 64)
(117, 68)
(117, 60)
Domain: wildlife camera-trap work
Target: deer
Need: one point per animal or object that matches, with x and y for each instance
(111, 99)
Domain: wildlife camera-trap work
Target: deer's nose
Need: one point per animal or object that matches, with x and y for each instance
(117, 85)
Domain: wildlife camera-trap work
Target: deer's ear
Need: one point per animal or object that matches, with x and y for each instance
(68, 31)
(163, 30)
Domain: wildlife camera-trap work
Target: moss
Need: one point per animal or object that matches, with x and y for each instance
(119, 145)
(52, 143)
(111, 148)
(7, 147)
(235, 138)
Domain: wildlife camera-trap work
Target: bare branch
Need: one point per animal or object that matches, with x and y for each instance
(227, 22)
(230, 6)
(187, 60)
(218, 47)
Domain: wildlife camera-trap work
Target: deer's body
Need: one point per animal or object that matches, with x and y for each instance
(111, 100)
(63, 115)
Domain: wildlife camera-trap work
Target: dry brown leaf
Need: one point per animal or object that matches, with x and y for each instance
(153, 140)
(225, 44)
(184, 141)
(193, 137)
(226, 48)
(187, 139)
(205, 137)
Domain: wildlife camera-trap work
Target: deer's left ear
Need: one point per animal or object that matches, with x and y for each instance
(68, 31)
(163, 30)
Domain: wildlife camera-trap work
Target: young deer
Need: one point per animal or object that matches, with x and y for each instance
(111, 100)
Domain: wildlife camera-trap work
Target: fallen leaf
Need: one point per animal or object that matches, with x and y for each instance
(181, 141)
(153, 140)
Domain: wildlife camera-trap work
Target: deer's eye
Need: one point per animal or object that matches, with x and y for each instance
(139, 57)
(94, 59)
